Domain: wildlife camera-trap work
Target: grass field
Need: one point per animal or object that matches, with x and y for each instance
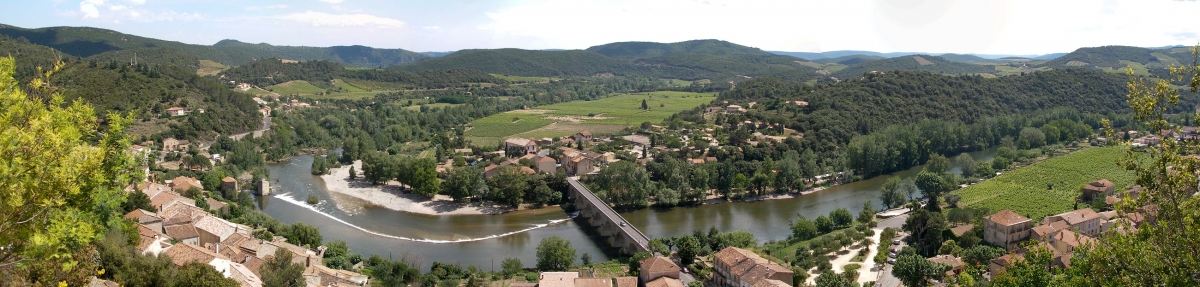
(295, 87)
(1025, 191)
(210, 68)
(347, 86)
(600, 116)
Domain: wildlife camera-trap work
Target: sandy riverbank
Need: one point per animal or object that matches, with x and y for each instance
(391, 197)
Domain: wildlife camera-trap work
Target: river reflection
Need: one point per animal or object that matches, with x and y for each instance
(372, 230)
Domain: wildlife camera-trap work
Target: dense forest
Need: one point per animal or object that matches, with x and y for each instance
(268, 72)
(911, 63)
(146, 90)
(750, 65)
(151, 57)
(87, 41)
(1106, 56)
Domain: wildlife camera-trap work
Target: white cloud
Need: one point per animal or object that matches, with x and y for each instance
(136, 2)
(271, 7)
(88, 8)
(326, 19)
(117, 7)
(332, 1)
(431, 27)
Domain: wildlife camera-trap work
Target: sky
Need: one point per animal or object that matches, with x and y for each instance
(1009, 27)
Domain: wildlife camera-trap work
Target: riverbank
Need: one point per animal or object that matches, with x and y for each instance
(391, 196)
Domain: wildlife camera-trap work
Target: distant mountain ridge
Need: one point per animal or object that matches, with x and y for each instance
(87, 41)
(843, 53)
(643, 50)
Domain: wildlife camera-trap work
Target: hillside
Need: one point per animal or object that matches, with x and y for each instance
(966, 58)
(29, 57)
(1106, 56)
(269, 72)
(849, 60)
(912, 63)
(150, 56)
(748, 65)
(87, 41)
(518, 62)
(838, 111)
(643, 50)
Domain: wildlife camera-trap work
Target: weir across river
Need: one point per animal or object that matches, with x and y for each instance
(607, 221)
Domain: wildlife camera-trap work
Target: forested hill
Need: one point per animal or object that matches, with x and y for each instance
(87, 41)
(749, 65)
(564, 63)
(1119, 57)
(838, 111)
(268, 72)
(643, 50)
(912, 63)
(150, 56)
(145, 90)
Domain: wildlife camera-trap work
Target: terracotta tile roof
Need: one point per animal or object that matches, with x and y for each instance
(1060, 225)
(183, 183)
(181, 208)
(1008, 259)
(147, 231)
(522, 284)
(182, 231)
(215, 226)
(527, 170)
(1043, 230)
(628, 281)
(1073, 239)
(254, 264)
(954, 262)
(771, 283)
(1100, 186)
(163, 199)
(228, 180)
(593, 282)
(1006, 217)
(558, 279)
(542, 159)
(153, 189)
(665, 282)
(214, 204)
(183, 253)
(178, 220)
(142, 216)
(147, 243)
(658, 264)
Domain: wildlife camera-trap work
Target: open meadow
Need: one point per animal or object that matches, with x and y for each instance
(602, 116)
(1025, 190)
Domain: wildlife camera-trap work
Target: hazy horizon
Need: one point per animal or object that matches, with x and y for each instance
(991, 27)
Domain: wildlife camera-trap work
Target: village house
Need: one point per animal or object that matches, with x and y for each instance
(176, 111)
(734, 110)
(955, 263)
(736, 267)
(172, 144)
(1097, 189)
(1085, 221)
(997, 265)
(583, 136)
(529, 145)
(184, 183)
(658, 267)
(545, 164)
(229, 184)
(713, 109)
(1006, 228)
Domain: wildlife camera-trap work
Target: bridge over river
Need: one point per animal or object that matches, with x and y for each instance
(607, 221)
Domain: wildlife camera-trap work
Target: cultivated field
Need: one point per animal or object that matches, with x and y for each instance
(210, 68)
(295, 87)
(599, 117)
(1025, 191)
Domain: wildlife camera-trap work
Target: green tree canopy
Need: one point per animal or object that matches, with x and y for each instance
(555, 254)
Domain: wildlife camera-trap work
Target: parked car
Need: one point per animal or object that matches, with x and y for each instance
(892, 255)
(896, 242)
(891, 261)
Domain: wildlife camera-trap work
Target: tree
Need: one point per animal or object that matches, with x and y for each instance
(925, 228)
(644, 106)
(586, 259)
(63, 180)
(279, 271)
(424, 177)
(137, 200)
(867, 214)
(1032, 271)
(303, 234)
(511, 266)
(803, 229)
(952, 199)
(790, 176)
(984, 169)
(666, 197)
(981, 254)
(659, 247)
(203, 275)
(965, 164)
(933, 186)
(508, 186)
(544, 195)
(832, 279)
(841, 217)
(689, 248)
(462, 183)
(824, 224)
(555, 254)
(803, 257)
(1031, 137)
(624, 184)
(914, 270)
(1165, 252)
(937, 164)
(353, 173)
(949, 247)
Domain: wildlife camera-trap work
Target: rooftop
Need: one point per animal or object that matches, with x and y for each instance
(1007, 217)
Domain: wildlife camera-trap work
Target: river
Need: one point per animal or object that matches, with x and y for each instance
(485, 240)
